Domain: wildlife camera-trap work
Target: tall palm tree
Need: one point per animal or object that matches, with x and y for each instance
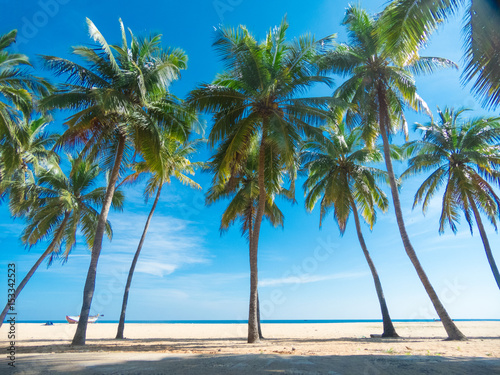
(173, 161)
(464, 156)
(119, 99)
(58, 206)
(17, 86)
(380, 83)
(407, 24)
(339, 177)
(257, 95)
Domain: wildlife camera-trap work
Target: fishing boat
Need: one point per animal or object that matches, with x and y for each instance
(75, 319)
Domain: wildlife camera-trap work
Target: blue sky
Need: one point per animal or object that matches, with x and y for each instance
(187, 270)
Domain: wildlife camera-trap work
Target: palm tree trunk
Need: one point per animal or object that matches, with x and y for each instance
(258, 318)
(35, 266)
(253, 331)
(250, 234)
(450, 327)
(486, 243)
(389, 330)
(88, 290)
(121, 324)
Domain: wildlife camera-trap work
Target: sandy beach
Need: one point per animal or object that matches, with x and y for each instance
(336, 348)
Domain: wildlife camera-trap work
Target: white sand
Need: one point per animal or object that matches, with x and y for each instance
(341, 342)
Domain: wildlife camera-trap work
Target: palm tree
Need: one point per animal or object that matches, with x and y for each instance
(24, 153)
(120, 102)
(18, 90)
(464, 156)
(257, 97)
(57, 207)
(173, 160)
(338, 176)
(243, 190)
(380, 84)
(17, 85)
(407, 24)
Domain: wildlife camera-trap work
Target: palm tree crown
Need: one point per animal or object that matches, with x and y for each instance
(121, 94)
(338, 175)
(380, 83)
(18, 88)
(24, 153)
(172, 161)
(258, 93)
(56, 195)
(408, 24)
(464, 156)
(242, 189)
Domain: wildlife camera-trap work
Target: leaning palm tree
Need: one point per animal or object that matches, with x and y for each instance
(380, 83)
(57, 207)
(18, 87)
(119, 99)
(257, 96)
(464, 156)
(243, 190)
(339, 178)
(406, 24)
(172, 161)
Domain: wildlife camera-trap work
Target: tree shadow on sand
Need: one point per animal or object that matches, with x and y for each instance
(210, 346)
(157, 363)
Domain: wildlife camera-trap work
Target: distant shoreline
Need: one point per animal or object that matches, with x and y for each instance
(305, 321)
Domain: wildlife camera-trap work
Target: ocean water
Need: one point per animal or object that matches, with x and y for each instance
(262, 321)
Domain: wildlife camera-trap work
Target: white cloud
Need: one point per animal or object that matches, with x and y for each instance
(306, 279)
(170, 244)
(156, 269)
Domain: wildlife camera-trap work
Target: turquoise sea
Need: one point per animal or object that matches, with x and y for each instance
(262, 321)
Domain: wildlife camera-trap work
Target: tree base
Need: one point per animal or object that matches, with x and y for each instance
(393, 335)
(458, 338)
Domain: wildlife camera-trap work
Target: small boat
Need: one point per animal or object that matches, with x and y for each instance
(75, 319)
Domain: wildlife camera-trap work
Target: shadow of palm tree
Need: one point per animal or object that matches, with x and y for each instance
(161, 363)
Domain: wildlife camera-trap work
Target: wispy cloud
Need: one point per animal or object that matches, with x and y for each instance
(170, 243)
(156, 269)
(306, 279)
(11, 230)
(152, 293)
(135, 195)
